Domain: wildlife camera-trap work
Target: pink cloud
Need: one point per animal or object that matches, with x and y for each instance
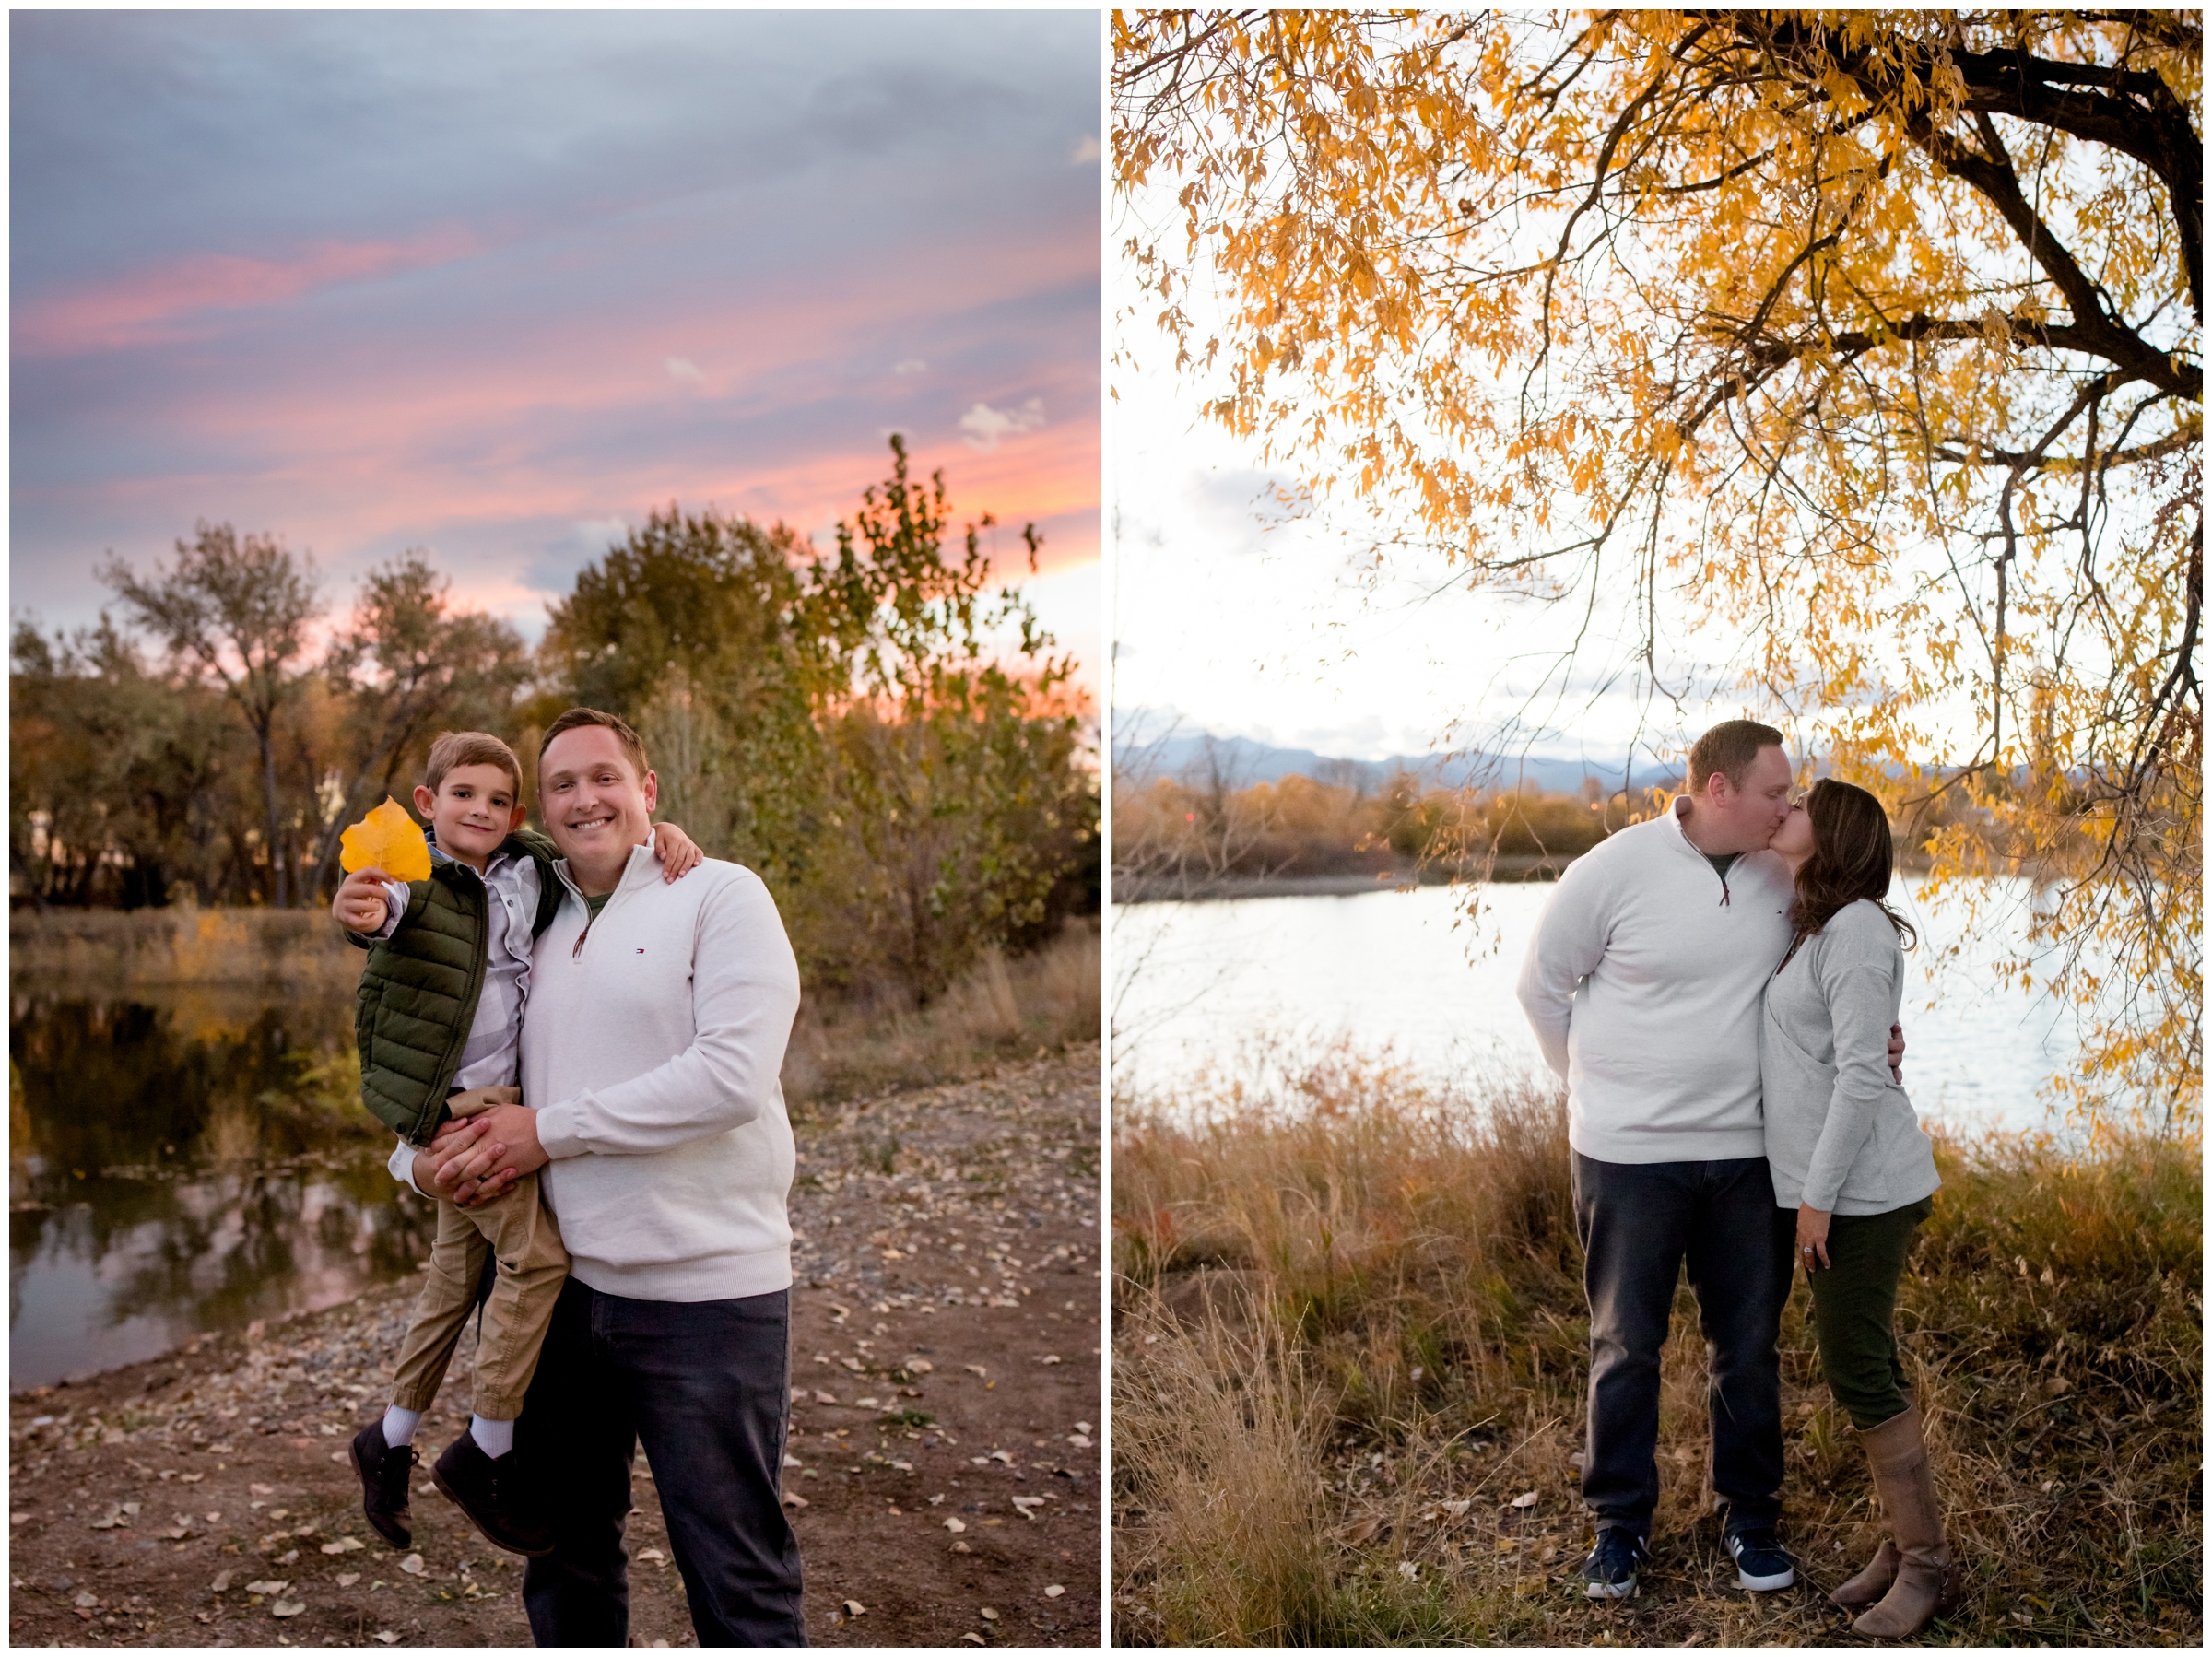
(151, 305)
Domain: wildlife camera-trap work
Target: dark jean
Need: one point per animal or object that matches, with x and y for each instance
(706, 1385)
(1639, 1222)
(1854, 1305)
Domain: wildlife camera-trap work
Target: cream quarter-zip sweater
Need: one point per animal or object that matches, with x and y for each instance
(653, 1050)
(1642, 984)
(1840, 1134)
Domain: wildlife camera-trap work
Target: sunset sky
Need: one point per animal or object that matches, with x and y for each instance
(497, 284)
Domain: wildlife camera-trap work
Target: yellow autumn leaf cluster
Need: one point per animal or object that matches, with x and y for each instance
(1873, 339)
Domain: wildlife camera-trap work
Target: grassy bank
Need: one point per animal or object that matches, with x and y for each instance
(215, 971)
(297, 950)
(1348, 1358)
(1004, 1007)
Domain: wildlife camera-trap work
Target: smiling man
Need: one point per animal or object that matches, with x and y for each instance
(1644, 984)
(651, 1053)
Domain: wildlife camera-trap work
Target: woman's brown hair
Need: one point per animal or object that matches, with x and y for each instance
(1851, 859)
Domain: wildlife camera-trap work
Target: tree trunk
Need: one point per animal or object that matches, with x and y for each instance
(268, 789)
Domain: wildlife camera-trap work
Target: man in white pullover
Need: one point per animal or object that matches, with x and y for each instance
(1644, 984)
(651, 1051)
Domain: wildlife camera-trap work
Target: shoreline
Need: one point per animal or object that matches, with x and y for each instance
(1506, 871)
(1517, 869)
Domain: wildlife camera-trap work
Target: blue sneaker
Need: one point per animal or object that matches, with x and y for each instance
(1614, 1564)
(1761, 1564)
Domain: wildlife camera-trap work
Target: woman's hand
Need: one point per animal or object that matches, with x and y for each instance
(1812, 1237)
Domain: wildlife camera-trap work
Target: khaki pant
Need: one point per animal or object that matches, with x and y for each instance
(523, 1236)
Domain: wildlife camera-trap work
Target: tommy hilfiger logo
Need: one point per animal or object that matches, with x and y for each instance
(638, 952)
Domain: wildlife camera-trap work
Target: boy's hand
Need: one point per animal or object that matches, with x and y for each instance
(452, 1140)
(469, 1102)
(481, 1167)
(676, 851)
(359, 905)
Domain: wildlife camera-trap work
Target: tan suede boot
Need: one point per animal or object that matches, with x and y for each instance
(1927, 1577)
(1871, 1583)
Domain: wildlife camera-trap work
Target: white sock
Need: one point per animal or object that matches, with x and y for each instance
(494, 1438)
(399, 1426)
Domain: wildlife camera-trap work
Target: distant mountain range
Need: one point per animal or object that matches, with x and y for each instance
(1239, 762)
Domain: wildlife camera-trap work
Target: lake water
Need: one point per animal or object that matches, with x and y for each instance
(165, 1179)
(1238, 984)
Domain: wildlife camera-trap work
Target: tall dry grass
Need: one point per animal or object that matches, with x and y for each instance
(1001, 1007)
(1349, 1351)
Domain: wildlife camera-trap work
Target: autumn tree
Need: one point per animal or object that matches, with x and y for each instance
(883, 731)
(235, 612)
(958, 804)
(1874, 338)
(691, 629)
(406, 665)
(124, 779)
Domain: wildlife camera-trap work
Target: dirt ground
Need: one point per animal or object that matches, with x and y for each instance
(943, 1472)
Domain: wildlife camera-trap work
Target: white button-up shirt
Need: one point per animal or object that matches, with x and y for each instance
(492, 1054)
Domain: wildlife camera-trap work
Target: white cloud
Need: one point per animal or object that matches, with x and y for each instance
(912, 365)
(1087, 149)
(983, 426)
(683, 367)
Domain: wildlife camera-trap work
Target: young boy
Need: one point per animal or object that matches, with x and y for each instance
(439, 1021)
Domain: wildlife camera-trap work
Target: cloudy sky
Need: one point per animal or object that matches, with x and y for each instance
(1237, 613)
(497, 284)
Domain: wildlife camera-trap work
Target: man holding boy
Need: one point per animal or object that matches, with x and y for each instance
(1643, 985)
(651, 1052)
(438, 1024)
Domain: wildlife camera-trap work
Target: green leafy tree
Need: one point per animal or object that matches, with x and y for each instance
(957, 803)
(694, 630)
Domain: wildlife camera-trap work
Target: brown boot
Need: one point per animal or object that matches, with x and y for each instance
(1927, 1577)
(1871, 1583)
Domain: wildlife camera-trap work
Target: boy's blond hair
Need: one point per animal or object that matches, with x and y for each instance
(470, 747)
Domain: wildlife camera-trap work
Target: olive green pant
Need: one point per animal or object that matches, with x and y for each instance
(1854, 1307)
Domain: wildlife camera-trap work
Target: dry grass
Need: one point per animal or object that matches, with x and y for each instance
(297, 951)
(1350, 1335)
(1004, 1007)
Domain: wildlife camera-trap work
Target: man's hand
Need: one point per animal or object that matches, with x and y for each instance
(1897, 1052)
(359, 905)
(505, 1148)
(1812, 1237)
(678, 854)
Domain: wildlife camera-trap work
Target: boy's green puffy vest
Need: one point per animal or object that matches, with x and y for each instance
(418, 992)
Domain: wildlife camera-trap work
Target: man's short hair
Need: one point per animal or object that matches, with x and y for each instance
(470, 747)
(576, 717)
(1729, 748)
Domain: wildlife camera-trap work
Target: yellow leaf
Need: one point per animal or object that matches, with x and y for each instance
(386, 839)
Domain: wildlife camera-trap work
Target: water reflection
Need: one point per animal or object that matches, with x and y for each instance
(185, 1162)
(1252, 988)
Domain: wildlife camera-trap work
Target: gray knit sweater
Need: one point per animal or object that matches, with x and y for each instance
(1840, 1135)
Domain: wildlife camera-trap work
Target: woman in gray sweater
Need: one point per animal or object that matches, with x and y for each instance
(1847, 1152)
